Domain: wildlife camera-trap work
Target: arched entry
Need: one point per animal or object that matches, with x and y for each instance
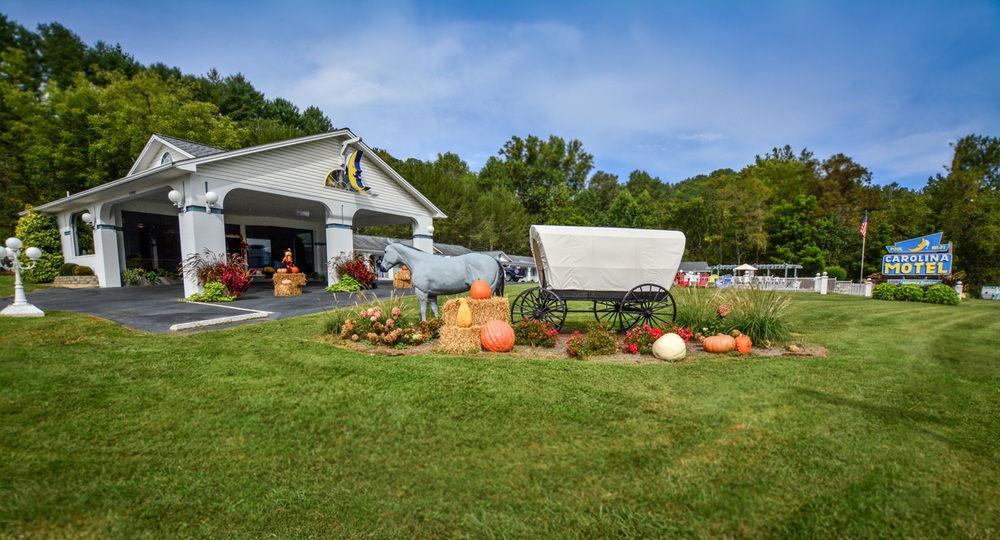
(261, 226)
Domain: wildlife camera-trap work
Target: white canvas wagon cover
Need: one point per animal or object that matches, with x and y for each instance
(605, 258)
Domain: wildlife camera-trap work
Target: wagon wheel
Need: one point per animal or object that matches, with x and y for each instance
(649, 304)
(539, 304)
(609, 313)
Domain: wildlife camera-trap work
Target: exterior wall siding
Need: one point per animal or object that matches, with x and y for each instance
(301, 170)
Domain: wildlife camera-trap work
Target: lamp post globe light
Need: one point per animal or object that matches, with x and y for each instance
(10, 257)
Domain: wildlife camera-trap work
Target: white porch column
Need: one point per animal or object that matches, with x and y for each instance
(339, 241)
(109, 272)
(200, 228)
(423, 234)
(107, 239)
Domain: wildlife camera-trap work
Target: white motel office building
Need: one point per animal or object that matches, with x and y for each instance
(183, 197)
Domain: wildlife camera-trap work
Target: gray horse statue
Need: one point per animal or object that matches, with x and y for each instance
(437, 274)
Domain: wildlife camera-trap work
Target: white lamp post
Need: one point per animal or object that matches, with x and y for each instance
(12, 252)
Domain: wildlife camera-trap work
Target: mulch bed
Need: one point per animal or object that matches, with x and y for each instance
(695, 352)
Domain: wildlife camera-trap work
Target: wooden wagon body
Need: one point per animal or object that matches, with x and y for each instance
(625, 275)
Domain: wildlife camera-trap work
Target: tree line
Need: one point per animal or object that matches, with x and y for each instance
(73, 116)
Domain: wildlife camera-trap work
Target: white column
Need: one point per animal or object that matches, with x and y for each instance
(816, 283)
(200, 228)
(108, 270)
(107, 256)
(339, 241)
(423, 234)
(869, 287)
(824, 284)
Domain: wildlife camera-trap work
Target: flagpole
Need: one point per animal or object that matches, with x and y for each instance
(861, 277)
(864, 238)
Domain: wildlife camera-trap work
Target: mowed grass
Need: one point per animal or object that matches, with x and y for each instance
(264, 430)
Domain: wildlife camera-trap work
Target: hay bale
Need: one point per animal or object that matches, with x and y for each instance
(457, 340)
(483, 311)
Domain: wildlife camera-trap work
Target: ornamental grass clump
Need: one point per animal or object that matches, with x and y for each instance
(761, 315)
(355, 266)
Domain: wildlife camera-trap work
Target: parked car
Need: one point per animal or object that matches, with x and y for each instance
(513, 275)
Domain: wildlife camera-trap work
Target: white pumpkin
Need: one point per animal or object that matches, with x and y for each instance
(670, 347)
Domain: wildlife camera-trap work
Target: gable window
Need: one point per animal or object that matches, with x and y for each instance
(166, 159)
(83, 235)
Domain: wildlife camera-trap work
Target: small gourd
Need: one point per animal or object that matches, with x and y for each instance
(282, 270)
(720, 343)
(293, 269)
(464, 318)
(480, 290)
(743, 344)
(497, 336)
(669, 347)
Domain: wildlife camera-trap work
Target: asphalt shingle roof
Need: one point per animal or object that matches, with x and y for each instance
(194, 148)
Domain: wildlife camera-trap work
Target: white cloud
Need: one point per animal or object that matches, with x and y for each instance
(635, 98)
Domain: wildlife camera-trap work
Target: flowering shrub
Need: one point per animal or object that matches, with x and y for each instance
(685, 333)
(382, 323)
(640, 340)
(229, 269)
(597, 341)
(535, 333)
(355, 266)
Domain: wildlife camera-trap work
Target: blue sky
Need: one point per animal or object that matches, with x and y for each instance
(676, 88)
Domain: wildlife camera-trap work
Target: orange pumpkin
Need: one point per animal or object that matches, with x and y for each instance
(497, 336)
(293, 269)
(720, 343)
(480, 290)
(743, 344)
(282, 270)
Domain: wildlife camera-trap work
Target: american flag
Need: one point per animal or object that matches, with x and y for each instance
(864, 226)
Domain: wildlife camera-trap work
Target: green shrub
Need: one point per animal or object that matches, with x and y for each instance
(40, 231)
(760, 314)
(83, 271)
(596, 342)
(910, 292)
(941, 294)
(335, 322)
(215, 291)
(68, 269)
(132, 276)
(885, 291)
(347, 283)
(838, 272)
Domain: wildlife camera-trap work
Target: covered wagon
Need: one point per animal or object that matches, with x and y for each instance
(623, 275)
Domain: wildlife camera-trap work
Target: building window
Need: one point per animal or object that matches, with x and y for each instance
(166, 159)
(83, 235)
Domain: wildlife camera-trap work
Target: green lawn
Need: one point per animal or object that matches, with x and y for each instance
(7, 286)
(263, 430)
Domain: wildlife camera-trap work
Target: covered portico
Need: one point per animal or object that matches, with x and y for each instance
(257, 202)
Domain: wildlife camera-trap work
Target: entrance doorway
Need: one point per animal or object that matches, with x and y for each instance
(266, 246)
(151, 241)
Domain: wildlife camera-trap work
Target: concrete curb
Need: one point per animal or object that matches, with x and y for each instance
(251, 314)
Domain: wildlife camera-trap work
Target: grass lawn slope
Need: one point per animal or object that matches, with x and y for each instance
(265, 430)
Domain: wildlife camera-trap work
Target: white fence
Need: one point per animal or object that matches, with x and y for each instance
(853, 289)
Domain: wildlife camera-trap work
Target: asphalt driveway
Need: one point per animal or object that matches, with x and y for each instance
(156, 309)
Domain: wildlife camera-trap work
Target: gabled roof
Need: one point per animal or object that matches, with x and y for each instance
(376, 244)
(212, 153)
(194, 149)
(498, 255)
